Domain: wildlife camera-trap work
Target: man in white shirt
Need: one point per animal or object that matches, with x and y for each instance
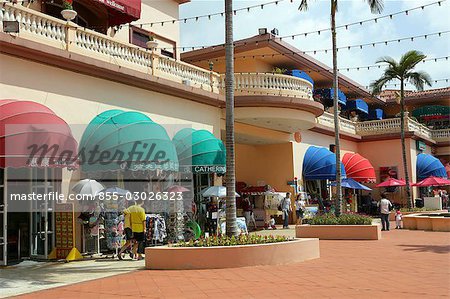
(385, 206)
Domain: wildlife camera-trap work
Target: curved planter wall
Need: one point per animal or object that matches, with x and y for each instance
(392, 215)
(184, 258)
(430, 223)
(339, 232)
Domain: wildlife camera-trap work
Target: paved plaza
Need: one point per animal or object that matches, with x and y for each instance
(403, 264)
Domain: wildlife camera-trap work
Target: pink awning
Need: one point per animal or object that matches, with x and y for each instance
(122, 11)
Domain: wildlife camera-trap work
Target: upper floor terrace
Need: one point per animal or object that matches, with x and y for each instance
(271, 100)
(375, 129)
(50, 40)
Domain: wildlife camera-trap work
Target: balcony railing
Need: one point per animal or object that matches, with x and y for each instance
(42, 28)
(271, 84)
(384, 126)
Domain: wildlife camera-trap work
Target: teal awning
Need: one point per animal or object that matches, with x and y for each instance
(200, 151)
(117, 139)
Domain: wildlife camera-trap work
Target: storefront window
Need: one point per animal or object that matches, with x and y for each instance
(140, 37)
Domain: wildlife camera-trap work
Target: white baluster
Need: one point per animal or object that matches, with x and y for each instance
(7, 16)
(33, 27)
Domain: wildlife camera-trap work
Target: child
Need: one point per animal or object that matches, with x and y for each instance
(272, 223)
(398, 219)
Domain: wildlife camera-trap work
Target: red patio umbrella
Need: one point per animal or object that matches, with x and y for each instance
(177, 188)
(391, 182)
(433, 181)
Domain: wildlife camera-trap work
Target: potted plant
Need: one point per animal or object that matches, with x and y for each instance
(152, 43)
(68, 13)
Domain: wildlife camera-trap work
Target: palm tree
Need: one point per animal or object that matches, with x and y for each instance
(376, 6)
(403, 71)
(230, 178)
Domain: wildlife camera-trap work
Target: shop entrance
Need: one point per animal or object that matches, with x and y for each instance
(27, 232)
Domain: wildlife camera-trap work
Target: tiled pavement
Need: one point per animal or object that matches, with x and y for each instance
(403, 264)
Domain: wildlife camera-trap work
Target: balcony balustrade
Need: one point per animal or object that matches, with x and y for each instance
(45, 29)
(384, 126)
(250, 84)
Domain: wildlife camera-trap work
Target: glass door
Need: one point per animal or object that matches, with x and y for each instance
(42, 212)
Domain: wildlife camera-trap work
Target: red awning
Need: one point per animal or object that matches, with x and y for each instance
(122, 11)
(358, 168)
(26, 126)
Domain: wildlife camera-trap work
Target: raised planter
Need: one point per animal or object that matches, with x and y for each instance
(219, 257)
(339, 232)
(426, 222)
(392, 215)
(423, 223)
(409, 222)
(440, 224)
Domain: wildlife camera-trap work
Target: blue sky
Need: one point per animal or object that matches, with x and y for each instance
(288, 20)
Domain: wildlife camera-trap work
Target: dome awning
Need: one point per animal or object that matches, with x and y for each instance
(358, 105)
(200, 151)
(117, 139)
(327, 94)
(358, 168)
(375, 114)
(122, 11)
(427, 165)
(319, 163)
(32, 135)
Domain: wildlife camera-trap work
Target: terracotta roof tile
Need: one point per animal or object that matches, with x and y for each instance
(389, 94)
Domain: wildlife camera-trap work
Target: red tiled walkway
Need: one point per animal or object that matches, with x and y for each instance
(403, 264)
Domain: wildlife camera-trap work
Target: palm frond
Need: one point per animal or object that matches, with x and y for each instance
(418, 79)
(303, 5)
(377, 85)
(376, 6)
(389, 60)
(410, 59)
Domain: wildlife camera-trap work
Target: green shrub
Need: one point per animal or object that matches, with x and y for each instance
(344, 219)
(232, 241)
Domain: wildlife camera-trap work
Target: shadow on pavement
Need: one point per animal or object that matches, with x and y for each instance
(427, 248)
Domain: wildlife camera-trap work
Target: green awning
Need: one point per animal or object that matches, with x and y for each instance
(200, 151)
(117, 139)
(430, 111)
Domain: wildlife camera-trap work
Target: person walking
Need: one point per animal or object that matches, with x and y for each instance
(137, 219)
(286, 208)
(128, 232)
(398, 219)
(247, 208)
(385, 206)
(300, 206)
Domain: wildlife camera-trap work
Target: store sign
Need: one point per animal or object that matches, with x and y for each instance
(64, 226)
(204, 169)
(420, 145)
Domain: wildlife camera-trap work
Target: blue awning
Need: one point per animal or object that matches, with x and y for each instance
(301, 74)
(327, 94)
(351, 184)
(376, 114)
(358, 105)
(427, 166)
(320, 164)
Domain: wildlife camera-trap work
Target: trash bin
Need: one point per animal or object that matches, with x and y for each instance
(418, 203)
